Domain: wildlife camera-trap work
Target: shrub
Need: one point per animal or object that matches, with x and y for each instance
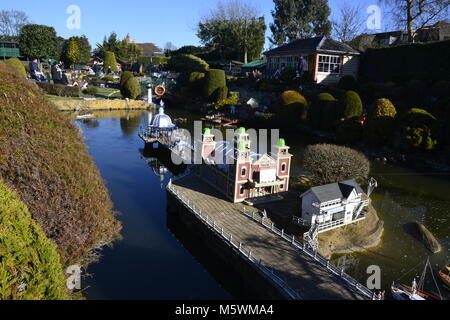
(221, 94)
(131, 89)
(415, 91)
(17, 66)
(331, 163)
(196, 83)
(380, 123)
(43, 158)
(441, 89)
(59, 89)
(110, 62)
(214, 80)
(352, 105)
(293, 107)
(187, 63)
(108, 79)
(125, 77)
(27, 256)
(349, 130)
(419, 129)
(325, 111)
(91, 91)
(348, 82)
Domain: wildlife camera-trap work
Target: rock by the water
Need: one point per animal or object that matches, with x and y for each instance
(428, 239)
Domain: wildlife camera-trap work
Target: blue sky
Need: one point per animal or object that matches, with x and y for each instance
(145, 20)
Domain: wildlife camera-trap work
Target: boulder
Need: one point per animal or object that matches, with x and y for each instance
(428, 239)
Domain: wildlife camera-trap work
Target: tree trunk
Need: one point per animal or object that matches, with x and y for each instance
(409, 20)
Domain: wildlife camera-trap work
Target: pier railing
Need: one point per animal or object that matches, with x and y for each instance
(353, 283)
(238, 246)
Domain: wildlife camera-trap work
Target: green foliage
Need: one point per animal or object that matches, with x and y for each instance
(38, 41)
(221, 94)
(128, 51)
(109, 79)
(295, 19)
(17, 66)
(131, 88)
(349, 131)
(293, 107)
(352, 104)
(91, 91)
(380, 124)
(59, 89)
(152, 61)
(215, 79)
(126, 75)
(348, 82)
(331, 163)
(110, 62)
(419, 129)
(196, 83)
(324, 112)
(76, 50)
(27, 257)
(187, 64)
(59, 182)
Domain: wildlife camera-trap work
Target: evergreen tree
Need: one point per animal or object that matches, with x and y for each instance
(296, 19)
(38, 41)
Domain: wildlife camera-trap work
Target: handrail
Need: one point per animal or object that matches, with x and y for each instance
(267, 271)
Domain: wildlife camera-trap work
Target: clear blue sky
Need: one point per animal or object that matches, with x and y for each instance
(145, 20)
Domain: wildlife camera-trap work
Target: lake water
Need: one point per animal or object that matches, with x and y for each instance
(157, 259)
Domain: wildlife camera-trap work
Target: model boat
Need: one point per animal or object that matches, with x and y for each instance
(444, 274)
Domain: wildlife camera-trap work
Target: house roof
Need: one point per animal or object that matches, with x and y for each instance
(322, 44)
(254, 64)
(150, 49)
(333, 191)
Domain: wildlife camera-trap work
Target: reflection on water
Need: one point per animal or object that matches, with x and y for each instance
(150, 263)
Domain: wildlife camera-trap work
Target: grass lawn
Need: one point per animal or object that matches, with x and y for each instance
(103, 93)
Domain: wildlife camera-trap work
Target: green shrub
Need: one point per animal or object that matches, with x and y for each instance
(349, 131)
(91, 91)
(152, 61)
(352, 105)
(293, 107)
(108, 79)
(59, 89)
(331, 163)
(348, 82)
(27, 256)
(441, 89)
(215, 79)
(419, 129)
(110, 62)
(17, 66)
(325, 111)
(125, 77)
(196, 83)
(221, 94)
(380, 124)
(131, 89)
(186, 64)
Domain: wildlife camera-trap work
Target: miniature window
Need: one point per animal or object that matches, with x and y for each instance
(282, 187)
(241, 191)
(329, 64)
(244, 172)
(283, 167)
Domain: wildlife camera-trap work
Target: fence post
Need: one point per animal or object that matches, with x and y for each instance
(221, 231)
(342, 272)
(328, 264)
(231, 238)
(214, 225)
(315, 254)
(240, 245)
(282, 233)
(250, 255)
(293, 239)
(273, 225)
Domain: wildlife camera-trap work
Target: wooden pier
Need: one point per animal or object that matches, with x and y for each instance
(294, 270)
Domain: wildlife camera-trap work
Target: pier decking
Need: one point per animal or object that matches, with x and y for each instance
(299, 272)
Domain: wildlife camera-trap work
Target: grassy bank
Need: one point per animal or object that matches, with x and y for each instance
(43, 158)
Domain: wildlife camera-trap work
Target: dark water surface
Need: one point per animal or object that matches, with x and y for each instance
(157, 259)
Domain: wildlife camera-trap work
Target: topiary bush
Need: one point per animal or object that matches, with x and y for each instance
(293, 107)
(131, 88)
(380, 124)
(352, 105)
(127, 75)
(420, 129)
(186, 64)
(17, 66)
(325, 111)
(59, 89)
(348, 82)
(215, 79)
(91, 91)
(30, 267)
(196, 83)
(221, 94)
(349, 131)
(110, 62)
(331, 163)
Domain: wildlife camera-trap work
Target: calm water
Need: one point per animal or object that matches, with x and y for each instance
(158, 259)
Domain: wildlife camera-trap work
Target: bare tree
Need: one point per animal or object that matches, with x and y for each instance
(416, 14)
(170, 46)
(12, 21)
(350, 22)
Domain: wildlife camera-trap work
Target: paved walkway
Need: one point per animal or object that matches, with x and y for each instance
(301, 272)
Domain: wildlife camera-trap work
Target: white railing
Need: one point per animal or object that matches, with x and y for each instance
(238, 246)
(353, 283)
(329, 225)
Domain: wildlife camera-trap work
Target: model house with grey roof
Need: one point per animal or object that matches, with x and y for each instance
(334, 205)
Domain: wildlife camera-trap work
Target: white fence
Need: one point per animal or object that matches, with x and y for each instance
(238, 246)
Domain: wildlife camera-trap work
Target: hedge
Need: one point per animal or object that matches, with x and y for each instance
(326, 110)
(214, 79)
(196, 83)
(152, 61)
(380, 124)
(293, 107)
(17, 66)
(187, 63)
(131, 88)
(110, 61)
(352, 105)
(59, 89)
(348, 82)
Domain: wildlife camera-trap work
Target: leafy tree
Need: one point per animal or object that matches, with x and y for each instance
(109, 44)
(38, 41)
(234, 31)
(295, 19)
(73, 51)
(331, 163)
(128, 51)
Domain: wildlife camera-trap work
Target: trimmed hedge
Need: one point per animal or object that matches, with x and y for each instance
(27, 256)
(380, 124)
(327, 110)
(196, 83)
(349, 131)
(187, 63)
(419, 129)
(110, 62)
(352, 105)
(348, 82)
(59, 89)
(17, 66)
(293, 107)
(125, 77)
(131, 88)
(214, 79)
(91, 91)
(221, 94)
